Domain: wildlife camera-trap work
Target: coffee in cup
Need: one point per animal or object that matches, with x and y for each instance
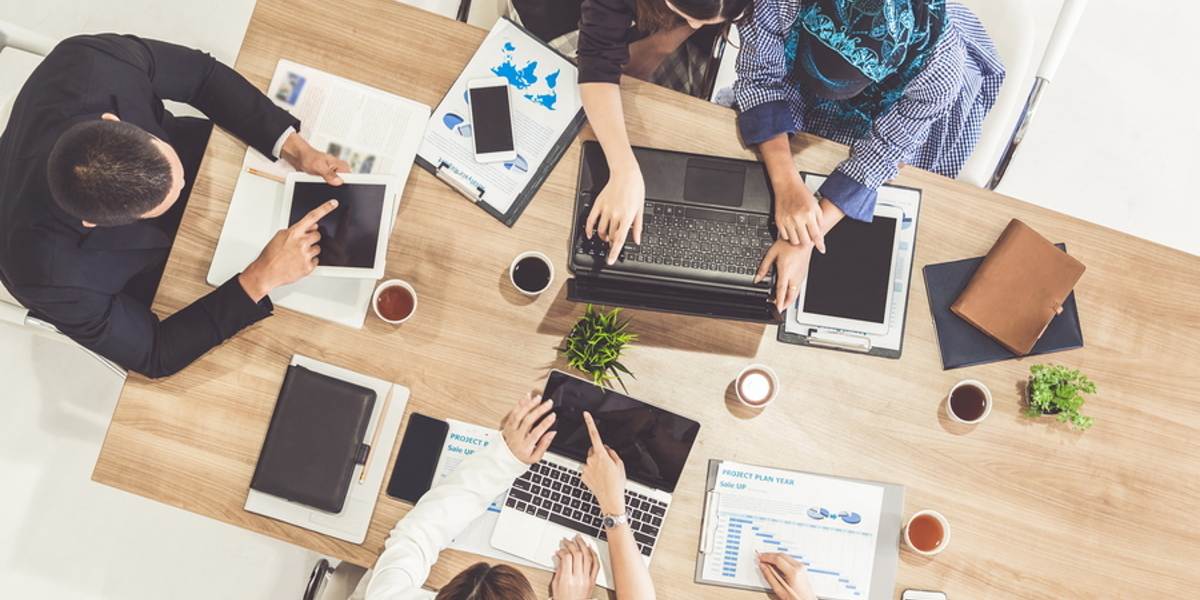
(394, 301)
(927, 532)
(969, 402)
(531, 272)
(756, 386)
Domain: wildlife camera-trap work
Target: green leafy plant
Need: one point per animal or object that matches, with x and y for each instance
(1057, 388)
(595, 344)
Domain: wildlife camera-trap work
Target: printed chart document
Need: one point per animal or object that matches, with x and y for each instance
(908, 200)
(463, 440)
(547, 113)
(372, 130)
(834, 526)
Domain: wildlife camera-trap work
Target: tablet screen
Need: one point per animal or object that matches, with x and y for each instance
(349, 234)
(852, 279)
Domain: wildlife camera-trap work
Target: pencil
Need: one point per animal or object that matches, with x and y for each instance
(362, 477)
(264, 174)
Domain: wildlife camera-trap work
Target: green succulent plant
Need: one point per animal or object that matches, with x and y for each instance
(1055, 387)
(595, 344)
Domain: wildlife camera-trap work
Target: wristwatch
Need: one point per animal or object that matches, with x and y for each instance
(610, 521)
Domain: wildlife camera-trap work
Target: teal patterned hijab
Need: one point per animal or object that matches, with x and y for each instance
(883, 43)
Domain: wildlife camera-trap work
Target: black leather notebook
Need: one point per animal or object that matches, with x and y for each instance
(315, 440)
(962, 344)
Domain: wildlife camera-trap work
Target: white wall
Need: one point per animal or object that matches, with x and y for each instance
(1116, 140)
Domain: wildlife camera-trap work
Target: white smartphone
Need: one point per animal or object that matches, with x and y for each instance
(491, 120)
(922, 595)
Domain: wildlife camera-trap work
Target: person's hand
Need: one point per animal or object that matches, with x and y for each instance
(798, 214)
(297, 151)
(787, 576)
(604, 473)
(791, 267)
(617, 210)
(575, 575)
(290, 255)
(526, 436)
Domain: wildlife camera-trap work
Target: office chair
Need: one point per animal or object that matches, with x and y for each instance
(11, 311)
(1014, 30)
(327, 582)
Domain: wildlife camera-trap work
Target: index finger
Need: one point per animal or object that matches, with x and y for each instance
(316, 214)
(618, 242)
(597, 443)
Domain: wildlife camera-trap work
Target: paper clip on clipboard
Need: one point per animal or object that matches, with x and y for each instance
(455, 179)
(840, 341)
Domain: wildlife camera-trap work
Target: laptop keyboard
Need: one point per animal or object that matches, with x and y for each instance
(691, 237)
(555, 493)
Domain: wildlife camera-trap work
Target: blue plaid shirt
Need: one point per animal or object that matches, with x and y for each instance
(934, 125)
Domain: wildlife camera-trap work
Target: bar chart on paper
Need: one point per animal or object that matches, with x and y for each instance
(828, 524)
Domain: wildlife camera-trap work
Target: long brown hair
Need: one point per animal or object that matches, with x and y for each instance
(482, 581)
(655, 15)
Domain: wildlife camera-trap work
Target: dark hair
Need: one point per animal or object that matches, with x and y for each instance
(482, 581)
(107, 172)
(655, 15)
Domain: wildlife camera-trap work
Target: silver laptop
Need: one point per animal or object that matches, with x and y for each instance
(549, 502)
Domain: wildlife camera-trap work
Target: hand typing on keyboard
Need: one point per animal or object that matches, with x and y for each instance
(618, 210)
(791, 267)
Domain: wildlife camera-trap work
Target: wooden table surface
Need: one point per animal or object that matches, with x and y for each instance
(1037, 510)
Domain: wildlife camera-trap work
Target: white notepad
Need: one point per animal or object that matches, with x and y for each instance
(355, 519)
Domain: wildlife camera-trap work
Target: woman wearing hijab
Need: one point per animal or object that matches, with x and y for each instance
(899, 81)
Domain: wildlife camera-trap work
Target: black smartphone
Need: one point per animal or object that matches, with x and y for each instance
(418, 458)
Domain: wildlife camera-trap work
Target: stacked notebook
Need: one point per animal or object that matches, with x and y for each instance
(315, 468)
(1016, 301)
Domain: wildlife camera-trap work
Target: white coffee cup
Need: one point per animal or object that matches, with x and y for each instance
(987, 401)
(945, 532)
(390, 283)
(513, 267)
(756, 385)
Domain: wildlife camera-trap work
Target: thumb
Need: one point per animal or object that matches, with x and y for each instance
(765, 266)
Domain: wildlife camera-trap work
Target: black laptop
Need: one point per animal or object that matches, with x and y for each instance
(706, 227)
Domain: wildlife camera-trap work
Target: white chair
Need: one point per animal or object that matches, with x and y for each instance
(1014, 28)
(11, 311)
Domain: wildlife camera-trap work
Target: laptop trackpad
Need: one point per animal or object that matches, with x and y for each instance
(714, 182)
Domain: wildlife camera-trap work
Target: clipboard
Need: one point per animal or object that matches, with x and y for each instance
(887, 541)
(457, 177)
(859, 343)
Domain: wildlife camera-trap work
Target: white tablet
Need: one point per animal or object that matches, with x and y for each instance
(850, 286)
(354, 236)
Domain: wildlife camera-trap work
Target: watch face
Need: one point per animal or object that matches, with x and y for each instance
(609, 522)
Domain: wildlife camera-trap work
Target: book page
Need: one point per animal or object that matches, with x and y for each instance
(829, 524)
(370, 129)
(545, 101)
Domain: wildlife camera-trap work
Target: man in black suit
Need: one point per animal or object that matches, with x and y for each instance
(94, 177)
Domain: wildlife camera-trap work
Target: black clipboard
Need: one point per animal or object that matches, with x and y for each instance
(786, 337)
(446, 172)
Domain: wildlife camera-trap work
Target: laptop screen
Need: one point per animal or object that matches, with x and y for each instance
(653, 443)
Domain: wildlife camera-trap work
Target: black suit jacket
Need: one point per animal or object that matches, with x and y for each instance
(96, 284)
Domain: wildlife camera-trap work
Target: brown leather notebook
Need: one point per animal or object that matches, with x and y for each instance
(1018, 289)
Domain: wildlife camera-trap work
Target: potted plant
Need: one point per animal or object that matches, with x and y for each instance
(1057, 390)
(595, 343)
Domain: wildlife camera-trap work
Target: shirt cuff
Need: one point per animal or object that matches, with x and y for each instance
(765, 121)
(504, 457)
(278, 147)
(854, 199)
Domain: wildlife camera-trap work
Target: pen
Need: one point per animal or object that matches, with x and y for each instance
(264, 174)
(362, 477)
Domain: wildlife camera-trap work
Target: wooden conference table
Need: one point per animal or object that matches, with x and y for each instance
(1037, 511)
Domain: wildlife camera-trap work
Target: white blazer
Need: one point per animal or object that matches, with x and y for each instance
(442, 513)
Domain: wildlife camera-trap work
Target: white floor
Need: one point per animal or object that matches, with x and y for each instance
(1111, 144)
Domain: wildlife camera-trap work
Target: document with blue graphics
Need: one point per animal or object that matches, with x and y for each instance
(845, 531)
(546, 110)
